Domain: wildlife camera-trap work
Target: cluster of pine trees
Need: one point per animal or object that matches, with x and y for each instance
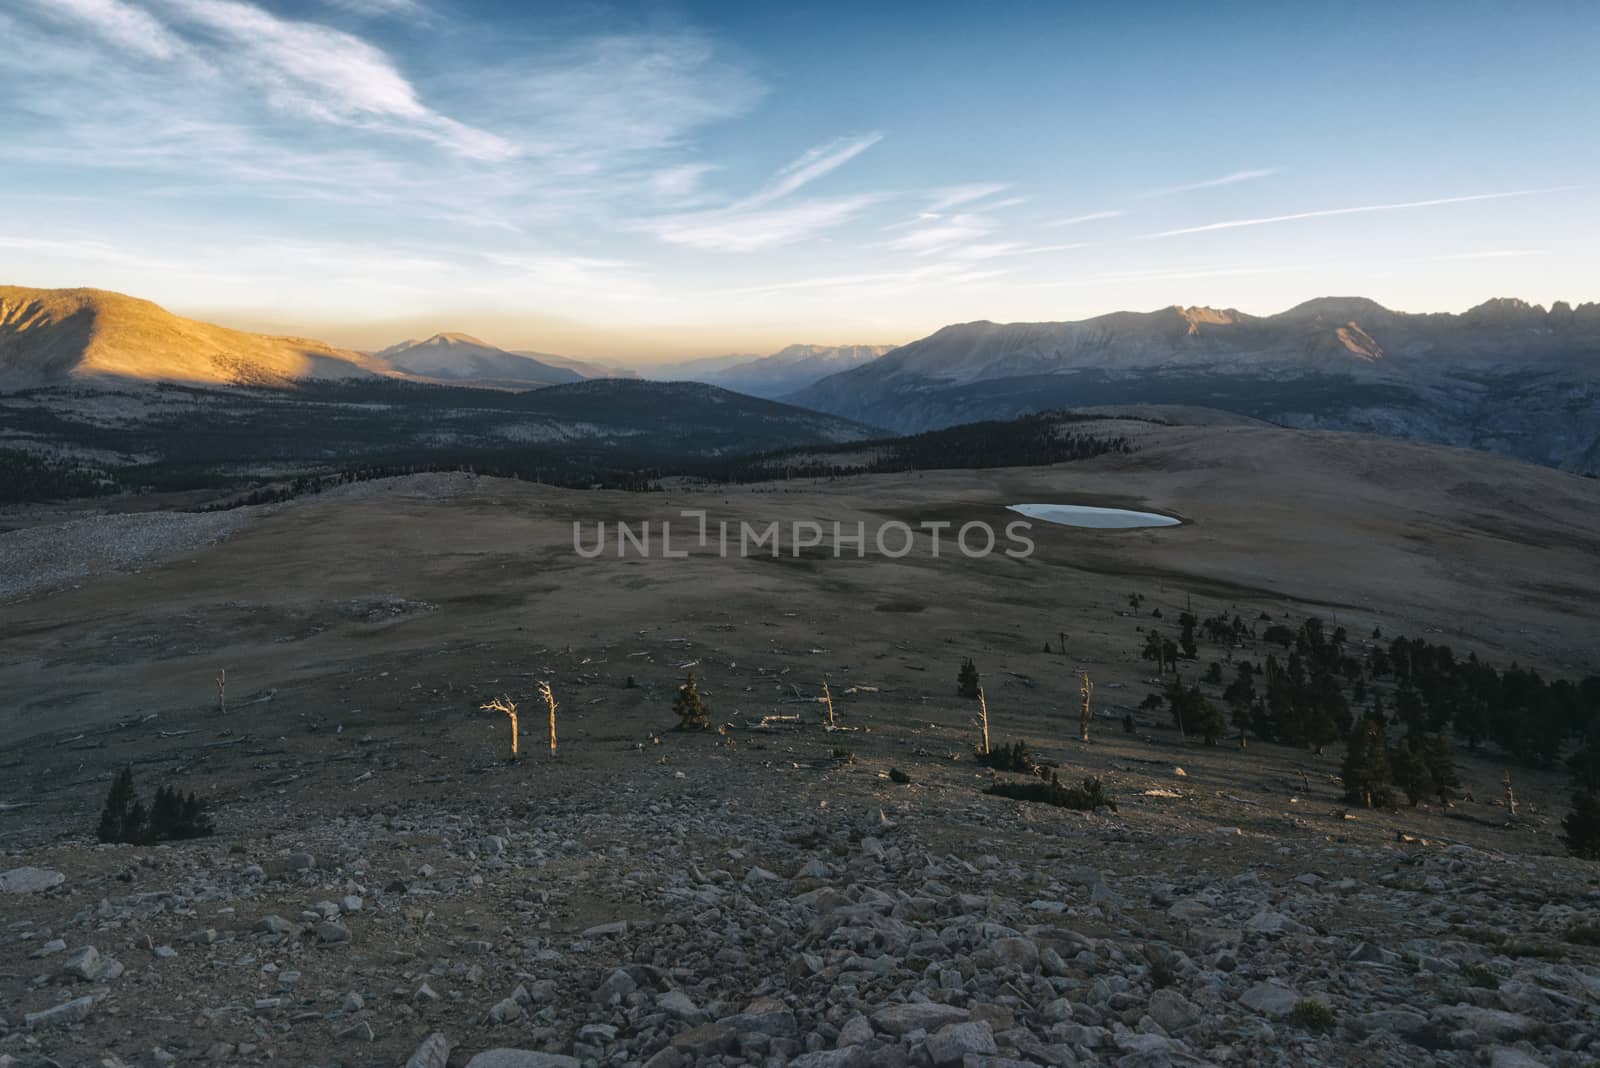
(1028, 441)
(171, 816)
(1320, 685)
(27, 477)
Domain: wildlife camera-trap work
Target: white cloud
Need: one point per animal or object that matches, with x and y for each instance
(378, 8)
(1093, 216)
(753, 223)
(813, 164)
(956, 195)
(942, 233)
(329, 75)
(118, 23)
(1267, 220)
(1212, 183)
(748, 231)
(598, 104)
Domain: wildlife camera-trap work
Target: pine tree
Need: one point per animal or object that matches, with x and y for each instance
(967, 680)
(1239, 695)
(136, 829)
(1581, 827)
(166, 814)
(1366, 766)
(1442, 768)
(1186, 636)
(116, 818)
(690, 707)
(1411, 766)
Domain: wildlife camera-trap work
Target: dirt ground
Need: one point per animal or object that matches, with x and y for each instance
(391, 614)
(360, 632)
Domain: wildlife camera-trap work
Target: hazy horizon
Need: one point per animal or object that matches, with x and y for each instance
(702, 179)
(645, 346)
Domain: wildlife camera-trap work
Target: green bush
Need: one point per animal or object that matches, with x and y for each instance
(1311, 1015)
(1086, 798)
(1013, 757)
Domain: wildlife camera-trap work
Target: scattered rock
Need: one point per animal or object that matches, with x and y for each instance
(29, 880)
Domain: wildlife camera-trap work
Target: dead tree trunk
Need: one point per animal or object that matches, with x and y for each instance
(509, 707)
(827, 701)
(222, 692)
(983, 721)
(1087, 691)
(1511, 798)
(550, 701)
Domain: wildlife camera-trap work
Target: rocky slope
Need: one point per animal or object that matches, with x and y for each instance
(1506, 376)
(88, 336)
(686, 920)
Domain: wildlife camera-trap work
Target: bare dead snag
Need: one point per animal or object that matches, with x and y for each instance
(827, 700)
(983, 721)
(1511, 798)
(222, 692)
(550, 701)
(1087, 691)
(509, 707)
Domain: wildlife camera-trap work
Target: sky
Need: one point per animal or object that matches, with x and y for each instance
(646, 181)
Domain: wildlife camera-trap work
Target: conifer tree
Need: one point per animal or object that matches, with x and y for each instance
(117, 823)
(1580, 829)
(967, 679)
(1366, 766)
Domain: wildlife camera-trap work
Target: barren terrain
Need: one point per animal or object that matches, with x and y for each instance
(771, 896)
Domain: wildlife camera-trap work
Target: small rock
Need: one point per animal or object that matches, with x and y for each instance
(63, 1015)
(953, 1043)
(29, 880)
(521, 1058)
(917, 1016)
(1172, 1010)
(433, 1053)
(1269, 999)
(618, 985)
(360, 1031)
(505, 1011)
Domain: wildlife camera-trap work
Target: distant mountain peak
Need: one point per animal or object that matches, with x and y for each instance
(51, 336)
(1505, 310)
(1341, 309)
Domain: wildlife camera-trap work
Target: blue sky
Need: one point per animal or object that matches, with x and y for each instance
(653, 180)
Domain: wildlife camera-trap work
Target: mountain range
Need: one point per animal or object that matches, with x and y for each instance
(54, 336)
(785, 371)
(1506, 376)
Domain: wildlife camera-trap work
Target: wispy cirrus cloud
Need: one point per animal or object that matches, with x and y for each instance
(813, 164)
(1093, 216)
(326, 74)
(1233, 178)
(1323, 213)
(957, 195)
(763, 219)
(378, 8)
(121, 24)
(743, 230)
